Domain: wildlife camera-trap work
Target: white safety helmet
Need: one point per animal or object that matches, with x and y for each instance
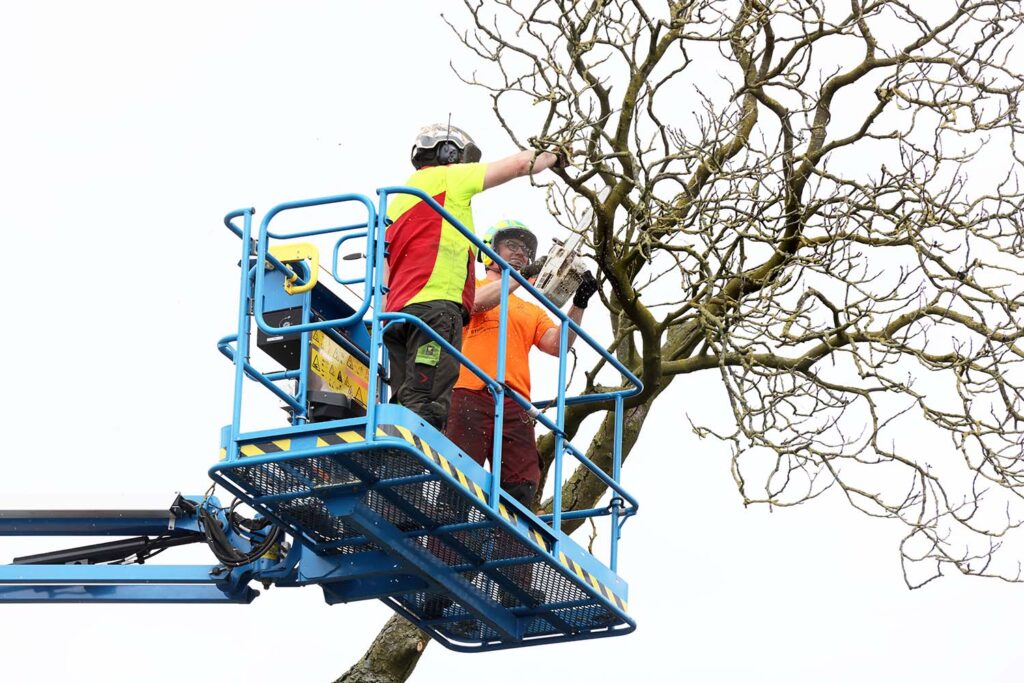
(440, 144)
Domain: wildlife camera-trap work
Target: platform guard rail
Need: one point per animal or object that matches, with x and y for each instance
(622, 505)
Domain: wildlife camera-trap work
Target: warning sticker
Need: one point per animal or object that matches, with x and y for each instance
(339, 369)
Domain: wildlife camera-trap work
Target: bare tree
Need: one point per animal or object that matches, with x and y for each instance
(821, 203)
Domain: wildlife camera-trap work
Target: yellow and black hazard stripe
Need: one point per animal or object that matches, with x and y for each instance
(336, 438)
(437, 458)
(589, 578)
(266, 447)
(511, 517)
(263, 448)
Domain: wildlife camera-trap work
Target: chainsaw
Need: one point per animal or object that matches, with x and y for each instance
(563, 270)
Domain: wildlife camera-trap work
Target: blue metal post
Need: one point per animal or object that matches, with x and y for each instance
(299, 417)
(376, 242)
(385, 389)
(242, 352)
(499, 393)
(556, 501)
(616, 473)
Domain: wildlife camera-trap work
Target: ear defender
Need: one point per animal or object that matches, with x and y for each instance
(448, 153)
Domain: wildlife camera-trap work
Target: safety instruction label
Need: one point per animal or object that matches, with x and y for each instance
(340, 370)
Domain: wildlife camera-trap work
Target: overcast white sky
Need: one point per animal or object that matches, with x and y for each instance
(127, 131)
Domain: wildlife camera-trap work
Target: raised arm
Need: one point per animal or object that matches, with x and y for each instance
(488, 296)
(517, 166)
(549, 342)
(587, 288)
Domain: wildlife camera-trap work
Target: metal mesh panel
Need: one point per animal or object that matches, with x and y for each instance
(520, 576)
(323, 471)
(482, 583)
(390, 463)
(422, 497)
(313, 517)
(268, 479)
(476, 541)
(308, 474)
(460, 625)
(538, 626)
(442, 504)
(507, 545)
(427, 507)
(431, 603)
(588, 616)
(377, 502)
(469, 629)
(556, 587)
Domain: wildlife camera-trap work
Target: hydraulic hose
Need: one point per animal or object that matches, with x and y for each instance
(221, 546)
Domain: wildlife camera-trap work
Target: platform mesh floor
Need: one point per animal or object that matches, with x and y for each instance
(542, 596)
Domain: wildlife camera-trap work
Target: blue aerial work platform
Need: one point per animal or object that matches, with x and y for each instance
(377, 503)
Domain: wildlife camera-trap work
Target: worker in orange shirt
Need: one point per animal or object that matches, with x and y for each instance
(471, 418)
(429, 270)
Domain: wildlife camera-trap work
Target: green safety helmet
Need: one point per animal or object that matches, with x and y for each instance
(508, 229)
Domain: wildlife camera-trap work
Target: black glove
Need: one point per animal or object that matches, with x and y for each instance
(532, 270)
(561, 160)
(586, 290)
(562, 154)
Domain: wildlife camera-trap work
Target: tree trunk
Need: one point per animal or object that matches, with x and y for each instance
(392, 656)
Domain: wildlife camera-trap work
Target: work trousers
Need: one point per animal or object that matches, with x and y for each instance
(422, 373)
(471, 428)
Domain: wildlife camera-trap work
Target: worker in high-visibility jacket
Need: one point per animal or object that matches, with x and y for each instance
(471, 418)
(429, 269)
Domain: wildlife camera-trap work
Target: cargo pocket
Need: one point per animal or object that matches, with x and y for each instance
(427, 357)
(428, 354)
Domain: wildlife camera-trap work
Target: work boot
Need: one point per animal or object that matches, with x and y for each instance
(406, 525)
(603, 618)
(434, 606)
(467, 628)
(522, 491)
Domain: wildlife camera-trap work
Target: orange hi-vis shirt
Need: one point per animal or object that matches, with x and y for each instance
(428, 259)
(527, 323)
